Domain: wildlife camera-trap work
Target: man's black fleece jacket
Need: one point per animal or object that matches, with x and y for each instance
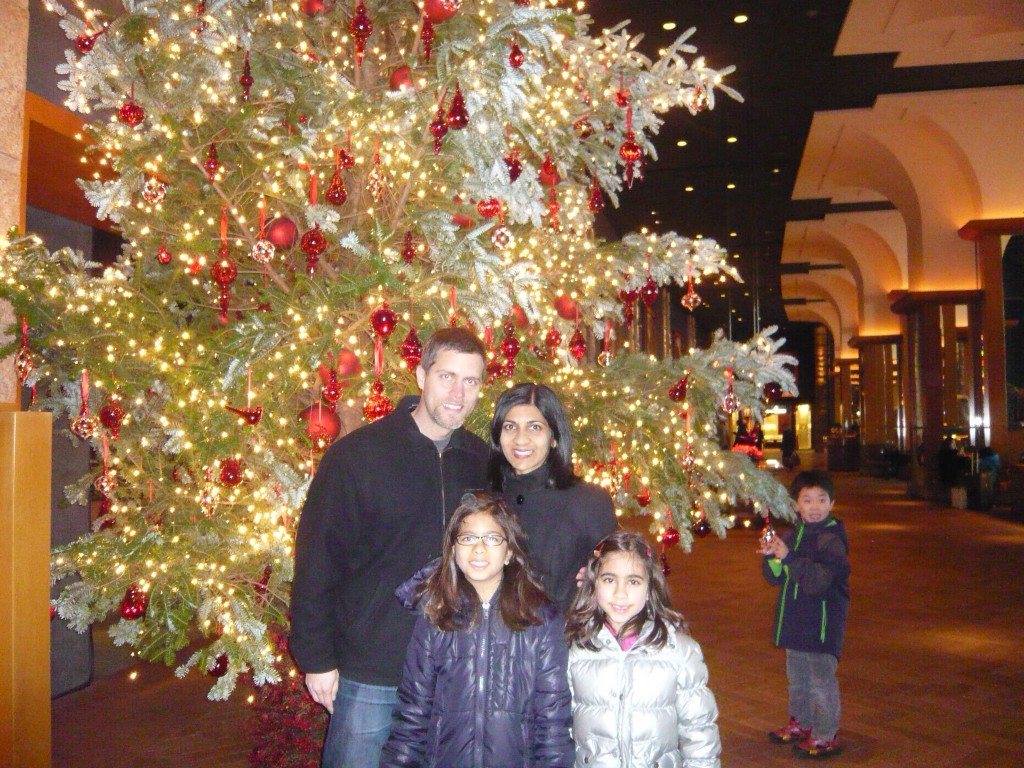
(375, 513)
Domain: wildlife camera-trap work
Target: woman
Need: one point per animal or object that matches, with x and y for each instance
(531, 465)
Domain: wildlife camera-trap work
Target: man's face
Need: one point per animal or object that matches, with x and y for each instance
(449, 392)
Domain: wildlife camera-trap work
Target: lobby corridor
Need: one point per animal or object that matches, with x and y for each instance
(931, 675)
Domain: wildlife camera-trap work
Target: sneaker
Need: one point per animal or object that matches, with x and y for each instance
(811, 747)
(790, 734)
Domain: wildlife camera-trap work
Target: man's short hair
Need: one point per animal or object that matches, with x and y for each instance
(455, 339)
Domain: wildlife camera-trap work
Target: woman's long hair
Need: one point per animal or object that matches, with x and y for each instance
(449, 600)
(546, 401)
(585, 617)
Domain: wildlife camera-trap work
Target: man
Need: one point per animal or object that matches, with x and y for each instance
(374, 515)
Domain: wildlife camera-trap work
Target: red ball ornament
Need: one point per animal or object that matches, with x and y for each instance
(411, 349)
(230, 472)
(323, 425)
(677, 392)
(670, 537)
(649, 292)
(440, 10)
(163, 255)
(578, 345)
(519, 316)
(772, 391)
(644, 497)
(313, 7)
(282, 232)
(377, 405)
(348, 363)
(401, 78)
(336, 193)
(383, 320)
(565, 307)
(548, 173)
(701, 527)
(489, 208)
(112, 415)
(220, 666)
(458, 115)
(134, 603)
(131, 113)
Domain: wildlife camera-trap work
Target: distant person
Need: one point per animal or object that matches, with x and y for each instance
(485, 680)
(950, 463)
(810, 565)
(639, 682)
(790, 459)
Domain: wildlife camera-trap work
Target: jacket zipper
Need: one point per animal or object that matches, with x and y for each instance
(481, 685)
(785, 588)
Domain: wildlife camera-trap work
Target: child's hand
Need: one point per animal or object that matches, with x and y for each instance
(775, 548)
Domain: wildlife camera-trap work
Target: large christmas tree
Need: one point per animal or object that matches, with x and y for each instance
(305, 188)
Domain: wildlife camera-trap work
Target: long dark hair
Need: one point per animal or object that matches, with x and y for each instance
(559, 459)
(451, 603)
(585, 617)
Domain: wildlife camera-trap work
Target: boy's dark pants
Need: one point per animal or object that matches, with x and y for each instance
(814, 692)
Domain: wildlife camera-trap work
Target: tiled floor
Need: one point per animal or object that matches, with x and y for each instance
(931, 674)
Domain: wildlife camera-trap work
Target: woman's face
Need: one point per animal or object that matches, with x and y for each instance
(526, 438)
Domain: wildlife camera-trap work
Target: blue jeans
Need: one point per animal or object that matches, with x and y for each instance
(359, 726)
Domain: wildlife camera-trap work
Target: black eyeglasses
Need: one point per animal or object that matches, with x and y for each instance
(490, 539)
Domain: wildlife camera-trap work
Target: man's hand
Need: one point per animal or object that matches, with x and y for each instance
(323, 687)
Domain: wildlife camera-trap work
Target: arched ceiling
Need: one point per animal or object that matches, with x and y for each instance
(943, 145)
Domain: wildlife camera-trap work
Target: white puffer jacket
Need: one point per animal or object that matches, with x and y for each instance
(645, 707)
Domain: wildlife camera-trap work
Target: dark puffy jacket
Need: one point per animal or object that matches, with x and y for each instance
(484, 698)
(815, 593)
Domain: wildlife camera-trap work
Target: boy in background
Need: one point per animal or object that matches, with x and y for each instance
(810, 566)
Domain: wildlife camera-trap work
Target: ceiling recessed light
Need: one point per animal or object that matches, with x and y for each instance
(732, 139)
(775, 170)
(688, 189)
(668, 26)
(732, 234)
(741, 18)
(730, 186)
(681, 143)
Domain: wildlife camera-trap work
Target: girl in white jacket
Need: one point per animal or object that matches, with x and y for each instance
(640, 696)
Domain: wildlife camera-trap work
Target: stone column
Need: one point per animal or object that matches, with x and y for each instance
(13, 58)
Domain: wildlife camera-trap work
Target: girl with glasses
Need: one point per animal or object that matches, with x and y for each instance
(485, 673)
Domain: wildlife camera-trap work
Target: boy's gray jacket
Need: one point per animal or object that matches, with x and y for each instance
(645, 707)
